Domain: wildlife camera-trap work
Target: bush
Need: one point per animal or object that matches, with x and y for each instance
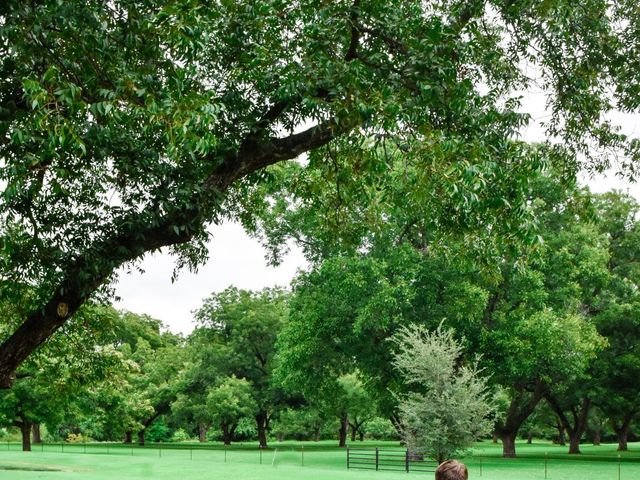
(380, 428)
(180, 436)
(158, 432)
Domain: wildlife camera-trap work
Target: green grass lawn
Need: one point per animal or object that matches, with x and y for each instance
(322, 461)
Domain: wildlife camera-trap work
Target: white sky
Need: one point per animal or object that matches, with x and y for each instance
(236, 259)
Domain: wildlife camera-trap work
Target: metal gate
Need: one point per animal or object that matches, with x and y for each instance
(388, 459)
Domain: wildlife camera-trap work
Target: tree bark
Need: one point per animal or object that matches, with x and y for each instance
(509, 444)
(353, 432)
(35, 433)
(262, 420)
(361, 434)
(529, 438)
(141, 437)
(25, 431)
(202, 432)
(128, 436)
(227, 432)
(574, 441)
(580, 416)
(622, 431)
(344, 426)
(521, 407)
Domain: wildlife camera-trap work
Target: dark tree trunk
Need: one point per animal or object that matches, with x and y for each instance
(596, 437)
(25, 430)
(227, 432)
(529, 438)
(509, 444)
(35, 433)
(141, 438)
(344, 426)
(575, 429)
(128, 436)
(495, 437)
(622, 431)
(353, 432)
(574, 441)
(202, 432)
(361, 434)
(521, 407)
(262, 420)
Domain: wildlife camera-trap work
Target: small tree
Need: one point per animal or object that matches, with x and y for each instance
(450, 407)
(228, 403)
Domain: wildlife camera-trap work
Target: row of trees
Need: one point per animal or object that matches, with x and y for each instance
(130, 126)
(127, 127)
(554, 335)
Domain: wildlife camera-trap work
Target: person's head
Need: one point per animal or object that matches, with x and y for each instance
(452, 470)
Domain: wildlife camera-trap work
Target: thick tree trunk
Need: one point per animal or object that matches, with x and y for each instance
(353, 432)
(596, 437)
(521, 407)
(141, 438)
(202, 432)
(530, 438)
(361, 434)
(262, 421)
(35, 433)
(574, 441)
(128, 436)
(622, 432)
(25, 430)
(580, 416)
(227, 432)
(509, 444)
(344, 426)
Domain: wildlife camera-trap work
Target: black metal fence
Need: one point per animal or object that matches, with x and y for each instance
(389, 460)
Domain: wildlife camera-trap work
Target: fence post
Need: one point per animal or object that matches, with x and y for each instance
(302, 451)
(545, 464)
(618, 466)
(377, 458)
(225, 454)
(406, 460)
(347, 455)
(260, 455)
(160, 450)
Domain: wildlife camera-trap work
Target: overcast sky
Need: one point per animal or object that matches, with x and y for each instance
(236, 259)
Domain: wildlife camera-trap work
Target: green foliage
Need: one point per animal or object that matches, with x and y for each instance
(450, 407)
(379, 428)
(129, 127)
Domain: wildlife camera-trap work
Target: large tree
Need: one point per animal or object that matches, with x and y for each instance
(128, 126)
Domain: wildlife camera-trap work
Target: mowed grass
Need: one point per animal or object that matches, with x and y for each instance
(301, 461)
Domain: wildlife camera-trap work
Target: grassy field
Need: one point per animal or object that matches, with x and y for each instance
(286, 461)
